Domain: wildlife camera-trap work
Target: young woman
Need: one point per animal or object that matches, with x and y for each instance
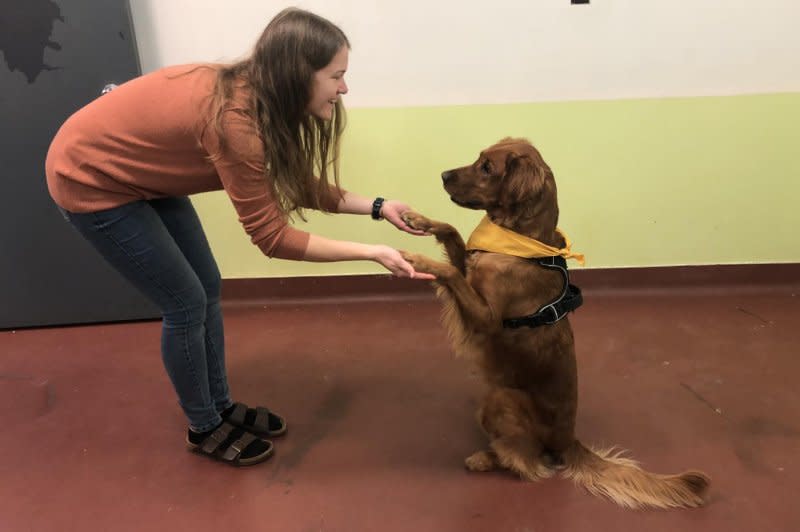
(266, 130)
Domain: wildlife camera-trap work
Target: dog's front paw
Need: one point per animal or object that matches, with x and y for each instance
(416, 220)
(420, 263)
(442, 271)
(423, 264)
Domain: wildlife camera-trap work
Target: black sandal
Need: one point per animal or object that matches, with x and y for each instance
(228, 444)
(258, 420)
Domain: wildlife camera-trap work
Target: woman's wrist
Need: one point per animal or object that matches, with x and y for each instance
(353, 203)
(377, 206)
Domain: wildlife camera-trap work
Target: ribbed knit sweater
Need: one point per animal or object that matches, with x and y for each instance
(152, 137)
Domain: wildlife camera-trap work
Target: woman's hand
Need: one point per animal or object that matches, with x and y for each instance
(392, 210)
(391, 259)
(321, 249)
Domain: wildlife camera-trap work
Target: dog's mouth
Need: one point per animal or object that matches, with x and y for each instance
(469, 204)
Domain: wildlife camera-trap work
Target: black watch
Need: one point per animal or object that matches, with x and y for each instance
(376, 208)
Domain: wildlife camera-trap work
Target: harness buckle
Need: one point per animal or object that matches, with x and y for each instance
(551, 307)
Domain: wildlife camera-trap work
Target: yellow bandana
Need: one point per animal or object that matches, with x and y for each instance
(489, 236)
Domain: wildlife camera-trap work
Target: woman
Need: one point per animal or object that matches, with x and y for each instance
(121, 168)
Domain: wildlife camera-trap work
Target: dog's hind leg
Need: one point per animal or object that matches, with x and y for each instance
(508, 416)
(485, 459)
(521, 455)
(510, 453)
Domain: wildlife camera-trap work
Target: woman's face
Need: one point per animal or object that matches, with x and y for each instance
(327, 85)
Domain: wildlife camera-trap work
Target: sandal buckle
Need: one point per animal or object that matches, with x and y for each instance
(237, 446)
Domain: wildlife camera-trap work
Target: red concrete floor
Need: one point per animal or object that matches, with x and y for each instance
(381, 418)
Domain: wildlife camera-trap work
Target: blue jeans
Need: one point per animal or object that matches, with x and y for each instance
(160, 247)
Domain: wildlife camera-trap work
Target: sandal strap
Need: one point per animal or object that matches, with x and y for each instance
(216, 438)
(237, 447)
(237, 416)
(262, 419)
(261, 422)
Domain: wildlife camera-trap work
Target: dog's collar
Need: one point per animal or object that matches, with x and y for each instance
(489, 236)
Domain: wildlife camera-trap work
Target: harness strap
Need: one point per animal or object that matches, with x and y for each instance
(569, 300)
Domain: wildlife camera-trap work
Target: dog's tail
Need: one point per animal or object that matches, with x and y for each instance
(606, 473)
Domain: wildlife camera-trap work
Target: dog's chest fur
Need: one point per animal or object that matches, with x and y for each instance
(518, 287)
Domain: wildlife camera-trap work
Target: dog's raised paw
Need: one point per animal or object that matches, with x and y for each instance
(416, 221)
(413, 259)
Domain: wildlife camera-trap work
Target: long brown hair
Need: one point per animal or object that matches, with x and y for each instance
(279, 73)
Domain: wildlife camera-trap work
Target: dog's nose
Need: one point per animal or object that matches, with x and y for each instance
(447, 176)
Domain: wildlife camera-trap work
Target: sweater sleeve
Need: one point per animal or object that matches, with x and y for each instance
(241, 171)
(329, 201)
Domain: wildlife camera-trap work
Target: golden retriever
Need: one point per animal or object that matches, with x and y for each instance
(529, 410)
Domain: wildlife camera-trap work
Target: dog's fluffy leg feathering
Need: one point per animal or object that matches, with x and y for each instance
(606, 473)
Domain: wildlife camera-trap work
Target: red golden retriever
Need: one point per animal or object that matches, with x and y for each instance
(527, 358)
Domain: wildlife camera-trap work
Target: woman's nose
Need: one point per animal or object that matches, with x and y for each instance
(342, 87)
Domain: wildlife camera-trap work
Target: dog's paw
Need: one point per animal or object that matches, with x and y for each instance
(414, 259)
(480, 461)
(417, 221)
(553, 460)
(423, 264)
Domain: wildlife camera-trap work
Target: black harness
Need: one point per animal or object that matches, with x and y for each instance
(569, 300)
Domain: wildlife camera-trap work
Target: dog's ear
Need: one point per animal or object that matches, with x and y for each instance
(524, 179)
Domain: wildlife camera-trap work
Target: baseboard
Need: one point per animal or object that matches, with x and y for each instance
(716, 278)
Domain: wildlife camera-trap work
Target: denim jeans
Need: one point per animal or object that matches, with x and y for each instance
(160, 247)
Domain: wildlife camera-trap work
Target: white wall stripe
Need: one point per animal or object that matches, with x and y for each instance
(450, 52)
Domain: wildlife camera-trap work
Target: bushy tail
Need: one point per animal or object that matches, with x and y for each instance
(608, 474)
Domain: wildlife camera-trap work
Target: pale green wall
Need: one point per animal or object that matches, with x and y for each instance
(710, 180)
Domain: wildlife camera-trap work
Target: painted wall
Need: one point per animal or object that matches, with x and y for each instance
(669, 125)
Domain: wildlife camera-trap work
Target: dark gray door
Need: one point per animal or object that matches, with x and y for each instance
(56, 57)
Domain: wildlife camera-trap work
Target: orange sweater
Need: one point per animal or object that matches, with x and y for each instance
(151, 138)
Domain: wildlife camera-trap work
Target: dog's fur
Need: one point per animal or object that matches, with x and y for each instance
(529, 410)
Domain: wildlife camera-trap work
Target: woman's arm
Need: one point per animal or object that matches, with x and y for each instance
(352, 203)
(321, 249)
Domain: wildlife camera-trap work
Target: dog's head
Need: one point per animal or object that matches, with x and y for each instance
(510, 180)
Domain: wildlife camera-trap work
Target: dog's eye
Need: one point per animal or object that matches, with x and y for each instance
(486, 167)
